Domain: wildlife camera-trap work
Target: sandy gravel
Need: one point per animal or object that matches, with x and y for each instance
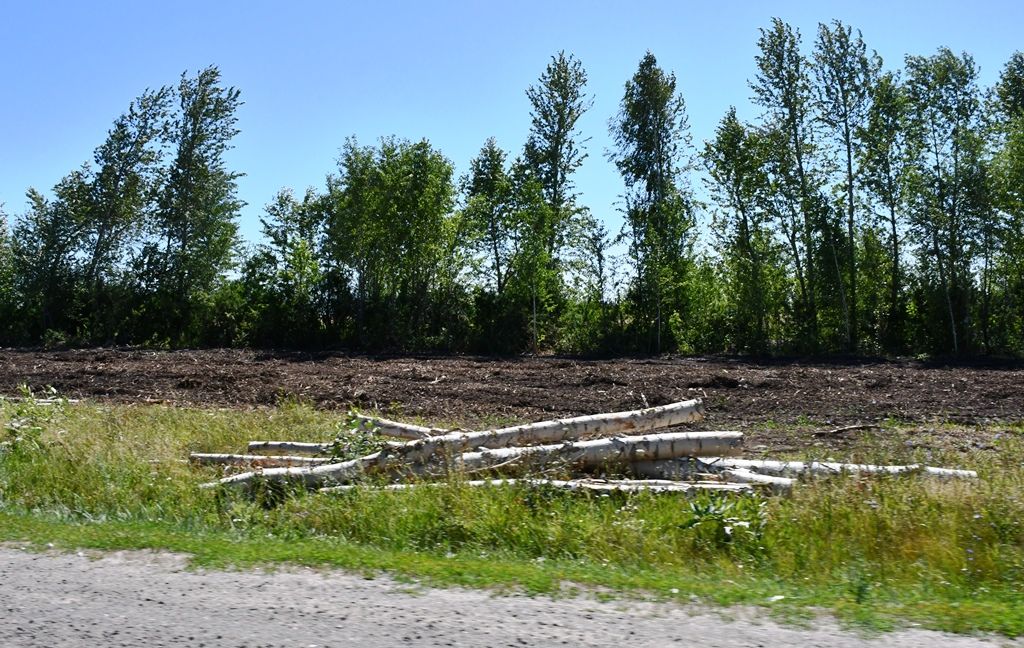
(148, 599)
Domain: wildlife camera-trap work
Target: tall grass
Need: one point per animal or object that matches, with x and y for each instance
(949, 553)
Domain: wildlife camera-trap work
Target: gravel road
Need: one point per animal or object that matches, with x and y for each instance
(150, 599)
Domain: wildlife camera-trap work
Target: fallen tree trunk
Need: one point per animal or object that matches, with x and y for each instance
(256, 460)
(745, 476)
(585, 454)
(603, 486)
(784, 468)
(396, 428)
(554, 431)
(597, 452)
(294, 447)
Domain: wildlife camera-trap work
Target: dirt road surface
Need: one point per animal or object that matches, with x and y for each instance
(53, 600)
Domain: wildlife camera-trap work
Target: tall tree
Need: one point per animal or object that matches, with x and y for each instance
(45, 264)
(195, 219)
(488, 191)
(735, 160)
(948, 178)
(652, 143)
(1008, 188)
(845, 74)
(782, 88)
(554, 148)
(883, 159)
(121, 197)
(8, 304)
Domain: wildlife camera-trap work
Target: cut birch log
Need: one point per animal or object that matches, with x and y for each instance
(603, 486)
(554, 431)
(784, 468)
(293, 447)
(592, 453)
(204, 458)
(396, 428)
(745, 476)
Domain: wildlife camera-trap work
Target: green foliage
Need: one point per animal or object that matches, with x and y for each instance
(194, 224)
(863, 212)
(390, 223)
(947, 185)
(652, 150)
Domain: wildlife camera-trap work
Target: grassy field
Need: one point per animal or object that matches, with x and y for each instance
(881, 551)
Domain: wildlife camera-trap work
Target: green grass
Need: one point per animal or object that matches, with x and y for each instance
(878, 552)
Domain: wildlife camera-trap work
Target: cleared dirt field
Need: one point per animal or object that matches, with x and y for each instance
(797, 395)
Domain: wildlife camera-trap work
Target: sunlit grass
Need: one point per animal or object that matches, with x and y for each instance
(875, 550)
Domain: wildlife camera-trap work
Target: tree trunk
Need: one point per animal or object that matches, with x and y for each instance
(782, 468)
(267, 461)
(599, 485)
(585, 454)
(396, 428)
(295, 447)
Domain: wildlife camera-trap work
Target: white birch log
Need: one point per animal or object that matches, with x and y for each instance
(556, 430)
(592, 453)
(784, 468)
(396, 428)
(293, 447)
(204, 458)
(597, 452)
(745, 476)
(603, 486)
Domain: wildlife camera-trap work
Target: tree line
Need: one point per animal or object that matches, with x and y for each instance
(864, 210)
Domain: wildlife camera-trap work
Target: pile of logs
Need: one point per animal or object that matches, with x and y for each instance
(620, 443)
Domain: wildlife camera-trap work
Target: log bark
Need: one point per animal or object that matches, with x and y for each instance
(597, 452)
(592, 453)
(293, 447)
(602, 486)
(785, 468)
(780, 485)
(266, 461)
(396, 428)
(557, 430)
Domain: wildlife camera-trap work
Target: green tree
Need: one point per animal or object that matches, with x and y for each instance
(487, 217)
(782, 88)
(652, 143)
(8, 297)
(283, 281)
(744, 238)
(45, 265)
(197, 208)
(947, 183)
(390, 221)
(884, 160)
(1007, 114)
(845, 75)
(121, 198)
(554, 149)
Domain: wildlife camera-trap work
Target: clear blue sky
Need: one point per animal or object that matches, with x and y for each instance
(312, 73)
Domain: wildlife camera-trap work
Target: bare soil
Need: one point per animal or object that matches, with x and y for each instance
(757, 396)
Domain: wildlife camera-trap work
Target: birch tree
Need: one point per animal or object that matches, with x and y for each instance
(652, 152)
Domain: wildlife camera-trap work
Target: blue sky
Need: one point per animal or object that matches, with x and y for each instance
(313, 73)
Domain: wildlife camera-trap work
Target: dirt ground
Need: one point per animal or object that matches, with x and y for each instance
(150, 599)
(466, 390)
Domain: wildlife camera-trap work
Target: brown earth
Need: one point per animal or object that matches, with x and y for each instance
(472, 390)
